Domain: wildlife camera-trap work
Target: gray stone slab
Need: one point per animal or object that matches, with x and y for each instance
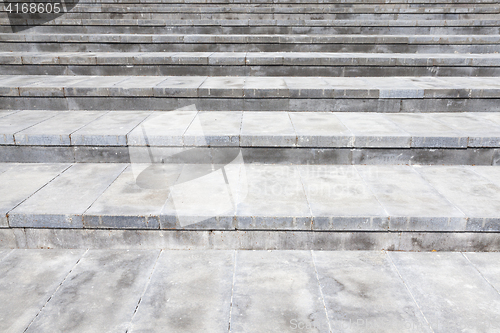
(178, 86)
(427, 132)
(11, 124)
(128, 203)
(214, 128)
(491, 173)
(56, 131)
(9, 84)
(162, 129)
(190, 291)
(412, 204)
(308, 87)
(20, 181)
(364, 293)
(109, 130)
(93, 86)
(276, 292)
(204, 196)
(374, 130)
(262, 87)
(267, 129)
(449, 291)
(136, 86)
(5, 113)
(340, 200)
(101, 293)
(481, 132)
(53, 86)
(272, 197)
(27, 281)
(320, 129)
(222, 87)
(488, 265)
(473, 194)
(62, 202)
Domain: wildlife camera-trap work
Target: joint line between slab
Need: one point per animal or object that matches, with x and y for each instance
(321, 292)
(55, 291)
(232, 291)
(408, 289)
(144, 291)
(50, 181)
(480, 273)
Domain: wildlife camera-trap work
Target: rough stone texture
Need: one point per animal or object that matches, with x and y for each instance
(188, 292)
(28, 280)
(275, 290)
(474, 308)
(101, 293)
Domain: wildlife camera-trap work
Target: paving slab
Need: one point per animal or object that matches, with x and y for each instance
(56, 131)
(487, 265)
(363, 293)
(267, 129)
(222, 87)
(28, 279)
(176, 86)
(272, 197)
(162, 129)
(93, 86)
(374, 130)
(276, 292)
(62, 202)
(473, 194)
(109, 130)
(214, 128)
(126, 204)
(13, 123)
(340, 200)
(189, 291)
(136, 86)
(481, 132)
(412, 204)
(449, 291)
(19, 181)
(427, 132)
(204, 196)
(318, 129)
(101, 293)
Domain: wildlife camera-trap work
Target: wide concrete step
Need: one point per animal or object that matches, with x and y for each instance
(257, 42)
(233, 195)
(249, 64)
(383, 94)
(238, 26)
(189, 136)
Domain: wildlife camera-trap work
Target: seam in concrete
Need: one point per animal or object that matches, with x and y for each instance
(293, 126)
(50, 181)
(144, 291)
(124, 168)
(408, 289)
(467, 258)
(55, 291)
(103, 114)
(305, 195)
(321, 292)
(232, 291)
(41, 121)
(139, 124)
(441, 194)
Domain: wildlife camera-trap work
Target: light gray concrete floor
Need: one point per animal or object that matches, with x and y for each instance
(248, 291)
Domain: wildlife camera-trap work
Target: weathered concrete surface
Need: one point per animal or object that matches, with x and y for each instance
(454, 297)
(189, 291)
(275, 292)
(363, 293)
(28, 280)
(63, 201)
(100, 294)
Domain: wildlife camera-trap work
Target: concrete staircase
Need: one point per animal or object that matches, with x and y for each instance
(252, 125)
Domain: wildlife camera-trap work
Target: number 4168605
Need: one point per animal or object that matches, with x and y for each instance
(33, 8)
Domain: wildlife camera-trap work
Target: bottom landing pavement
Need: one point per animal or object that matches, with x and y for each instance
(248, 291)
(236, 206)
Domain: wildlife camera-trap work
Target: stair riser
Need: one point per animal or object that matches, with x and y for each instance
(257, 104)
(241, 47)
(199, 70)
(276, 155)
(477, 30)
